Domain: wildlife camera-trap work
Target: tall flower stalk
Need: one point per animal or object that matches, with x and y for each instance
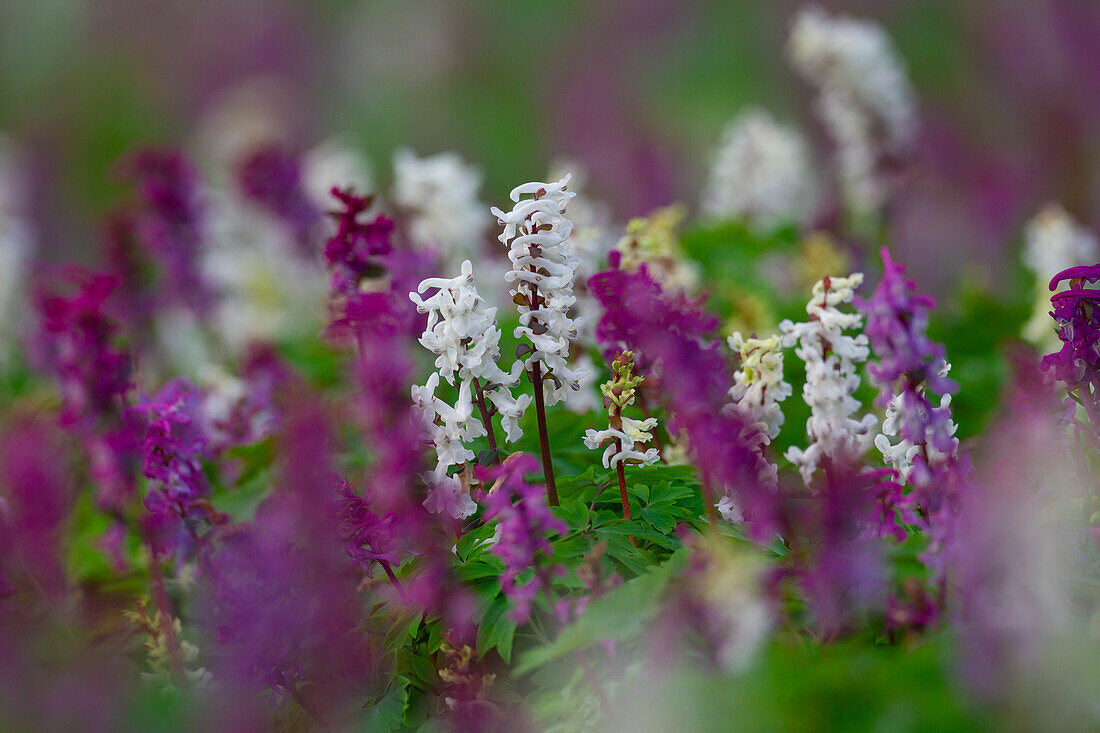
(624, 434)
(543, 266)
(910, 366)
(831, 358)
(757, 391)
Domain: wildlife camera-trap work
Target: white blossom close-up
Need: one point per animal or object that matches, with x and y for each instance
(1053, 241)
(537, 233)
(440, 195)
(865, 99)
(762, 173)
(756, 395)
(461, 331)
(832, 358)
(632, 433)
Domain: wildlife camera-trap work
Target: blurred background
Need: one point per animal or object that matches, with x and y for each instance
(638, 90)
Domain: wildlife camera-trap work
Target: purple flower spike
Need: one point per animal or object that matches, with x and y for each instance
(368, 538)
(94, 375)
(525, 521)
(1091, 273)
(169, 219)
(897, 322)
(174, 442)
(910, 365)
(1078, 321)
(35, 498)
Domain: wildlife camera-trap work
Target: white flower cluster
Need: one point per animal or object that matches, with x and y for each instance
(831, 358)
(757, 390)
(462, 332)
(761, 174)
(543, 267)
(440, 194)
(1053, 241)
(900, 455)
(267, 288)
(758, 385)
(632, 434)
(624, 436)
(865, 95)
(16, 244)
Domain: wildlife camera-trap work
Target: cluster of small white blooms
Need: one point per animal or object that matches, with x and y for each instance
(632, 434)
(267, 289)
(592, 239)
(440, 194)
(900, 455)
(758, 385)
(762, 173)
(624, 437)
(1053, 242)
(452, 426)
(461, 331)
(16, 244)
(831, 358)
(757, 391)
(543, 267)
(865, 95)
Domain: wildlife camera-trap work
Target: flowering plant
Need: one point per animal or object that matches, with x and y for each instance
(308, 450)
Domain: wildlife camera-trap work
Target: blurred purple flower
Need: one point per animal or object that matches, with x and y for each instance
(843, 573)
(169, 220)
(368, 538)
(271, 177)
(174, 441)
(1078, 321)
(94, 374)
(525, 521)
(35, 499)
(1009, 559)
(281, 596)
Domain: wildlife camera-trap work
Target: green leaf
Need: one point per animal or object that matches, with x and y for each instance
(496, 630)
(620, 614)
(388, 713)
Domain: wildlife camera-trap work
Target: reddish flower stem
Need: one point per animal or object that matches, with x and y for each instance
(622, 487)
(486, 419)
(544, 437)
